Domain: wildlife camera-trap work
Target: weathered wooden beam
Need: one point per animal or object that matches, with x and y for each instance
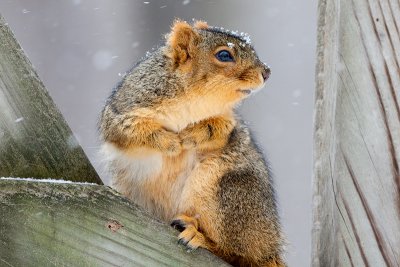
(69, 224)
(357, 134)
(35, 140)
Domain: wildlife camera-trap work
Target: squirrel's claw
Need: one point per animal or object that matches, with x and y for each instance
(190, 237)
(178, 225)
(182, 241)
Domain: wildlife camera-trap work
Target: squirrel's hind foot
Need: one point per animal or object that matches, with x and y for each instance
(190, 235)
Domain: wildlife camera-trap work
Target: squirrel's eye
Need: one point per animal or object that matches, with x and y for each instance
(224, 56)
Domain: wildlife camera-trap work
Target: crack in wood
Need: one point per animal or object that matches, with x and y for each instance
(377, 234)
(347, 252)
(355, 233)
(336, 202)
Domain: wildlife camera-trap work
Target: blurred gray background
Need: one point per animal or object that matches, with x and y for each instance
(81, 48)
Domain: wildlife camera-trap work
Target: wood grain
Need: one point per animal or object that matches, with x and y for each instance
(48, 224)
(357, 134)
(35, 140)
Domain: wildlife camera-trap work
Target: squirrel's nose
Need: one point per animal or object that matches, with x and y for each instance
(265, 73)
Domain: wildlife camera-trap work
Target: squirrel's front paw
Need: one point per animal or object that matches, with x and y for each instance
(167, 142)
(194, 135)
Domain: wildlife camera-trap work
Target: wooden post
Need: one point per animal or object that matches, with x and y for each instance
(35, 140)
(68, 224)
(357, 134)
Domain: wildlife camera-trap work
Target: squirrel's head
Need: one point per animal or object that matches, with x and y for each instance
(215, 61)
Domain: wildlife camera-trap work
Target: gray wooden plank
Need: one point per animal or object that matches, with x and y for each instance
(68, 224)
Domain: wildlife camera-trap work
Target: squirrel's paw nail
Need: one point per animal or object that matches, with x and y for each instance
(186, 235)
(191, 238)
(182, 241)
(191, 243)
(178, 225)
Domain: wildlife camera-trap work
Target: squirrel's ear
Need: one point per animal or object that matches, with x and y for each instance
(182, 41)
(201, 25)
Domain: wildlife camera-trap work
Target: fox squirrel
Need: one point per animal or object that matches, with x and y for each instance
(176, 148)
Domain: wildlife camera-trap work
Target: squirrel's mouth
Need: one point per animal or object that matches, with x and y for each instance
(251, 90)
(245, 91)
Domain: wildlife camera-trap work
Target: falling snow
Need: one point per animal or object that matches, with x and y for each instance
(102, 59)
(296, 93)
(72, 142)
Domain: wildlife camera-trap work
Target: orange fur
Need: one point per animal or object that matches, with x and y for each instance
(199, 24)
(182, 40)
(145, 132)
(208, 134)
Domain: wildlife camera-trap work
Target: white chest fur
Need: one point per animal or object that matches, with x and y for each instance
(140, 164)
(153, 181)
